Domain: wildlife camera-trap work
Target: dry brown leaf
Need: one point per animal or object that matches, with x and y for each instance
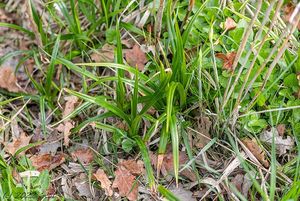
(227, 59)
(47, 161)
(70, 105)
(134, 167)
(288, 11)
(126, 184)
(136, 57)
(256, 151)
(280, 129)
(105, 54)
(203, 125)
(105, 182)
(84, 155)
(282, 145)
(18, 143)
(8, 79)
(229, 24)
(167, 166)
(238, 181)
(65, 128)
(182, 194)
(81, 183)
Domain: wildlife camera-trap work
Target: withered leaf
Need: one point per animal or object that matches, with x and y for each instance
(255, 149)
(47, 161)
(126, 184)
(8, 79)
(84, 155)
(136, 57)
(65, 128)
(280, 129)
(167, 165)
(18, 143)
(282, 145)
(70, 105)
(229, 24)
(105, 54)
(82, 185)
(134, 167)
(203, 137)
(105, 182)
(227, 59)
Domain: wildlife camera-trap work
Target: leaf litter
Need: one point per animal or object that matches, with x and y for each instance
(67, 125)
(125, 178)
(282, 145)
(227, 59)
(255, 149)
(17, 143)
(104, 181)
(8, 80)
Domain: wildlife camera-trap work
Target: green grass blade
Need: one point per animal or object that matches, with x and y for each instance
(51, 69)
(175, 146)
(147, 162)
(167, 194)
(17, 27)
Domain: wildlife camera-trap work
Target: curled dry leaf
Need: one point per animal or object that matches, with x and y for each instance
(8, 79)
(70, 105)
(256, 151)
(84, 155)
(47, 161)
(229, 24)
(126, 184)
(227, 59)
(18, 143)
(105, 54)
(282, 145)
(65, 128)
(67, 125)
(105, 182)
(136, 57)
(167, 166)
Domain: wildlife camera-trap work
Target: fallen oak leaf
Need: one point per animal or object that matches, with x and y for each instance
(8, 79)
(254, 148)
(126, 184)
(104, 181)
(18, 143)
(84, 155)
(135, 57)
(227, 59)
(47, 161)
